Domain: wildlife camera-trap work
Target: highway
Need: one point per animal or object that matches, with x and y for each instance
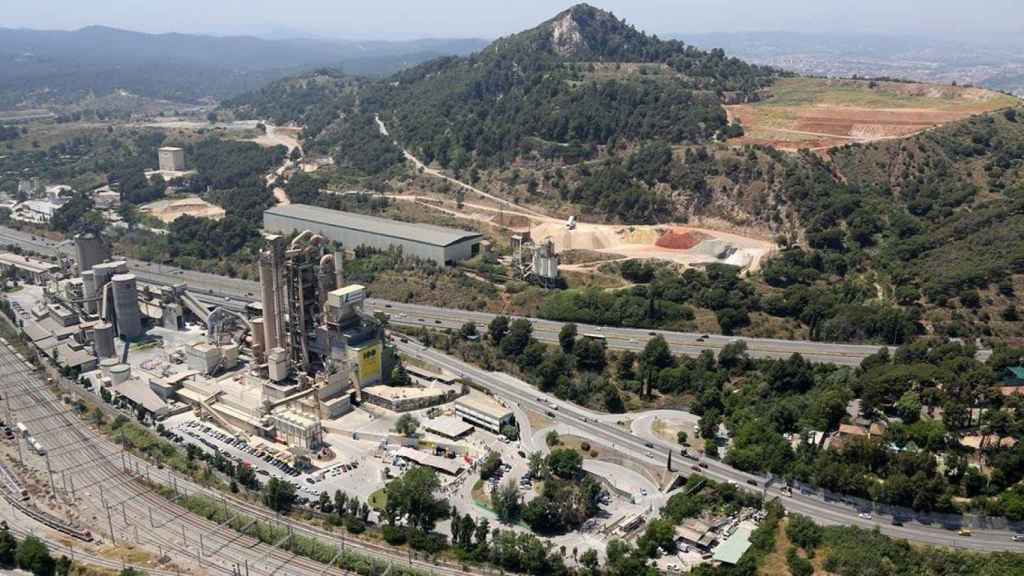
(234, 293)
(596, 426)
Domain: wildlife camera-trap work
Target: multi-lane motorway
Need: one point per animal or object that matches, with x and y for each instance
(592, 425)
(235, 293)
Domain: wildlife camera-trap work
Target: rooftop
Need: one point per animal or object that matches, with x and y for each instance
(449, 427)
(402, 392)
(26, 263)
(141, 394)
(422, 233)
(483, 404)
(730, 551)
(450, 466)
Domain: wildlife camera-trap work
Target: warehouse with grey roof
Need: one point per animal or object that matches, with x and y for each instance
(436, 243)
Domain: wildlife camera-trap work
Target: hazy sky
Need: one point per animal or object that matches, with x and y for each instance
(402, 19)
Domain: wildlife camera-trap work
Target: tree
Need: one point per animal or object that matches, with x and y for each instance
(565, 463)
(8, 546)
(34, 556)
(803, 532)
(682, 437)
(490, 465)
(468, 331)
(278, 495)
(567, 337)
(590, 561)
(413, 495)
(497, 329)
(655, 357)
(406, 425)
(518, 337)
(506, 502)
(551, 438)
(590, 355)
(399, 376)
(660, 533)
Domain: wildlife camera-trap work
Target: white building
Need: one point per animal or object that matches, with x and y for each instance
(483, 412)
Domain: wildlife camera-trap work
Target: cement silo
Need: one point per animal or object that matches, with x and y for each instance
(89, 292)
(120, 373)
(90, 251)
(103, 340)
(126, 306)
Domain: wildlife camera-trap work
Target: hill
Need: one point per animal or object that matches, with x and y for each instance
(575, 83)
(41, 67)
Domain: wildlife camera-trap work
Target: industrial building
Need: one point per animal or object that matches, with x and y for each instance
(90, 250)
(171, 159)
(483, 412)
(435, 243)
(36, 271)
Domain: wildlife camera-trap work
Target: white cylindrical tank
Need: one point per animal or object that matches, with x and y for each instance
(106, 364)
(89, 291)
(103, 340)
(120, 373)
(126, 306)
(259, 338)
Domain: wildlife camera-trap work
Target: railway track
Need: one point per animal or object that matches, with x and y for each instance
(94, 467)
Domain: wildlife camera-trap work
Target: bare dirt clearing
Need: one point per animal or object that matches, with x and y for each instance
(696, 246)
(820, 113)
(170, 209)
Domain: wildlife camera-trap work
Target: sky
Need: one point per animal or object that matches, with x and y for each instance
(407, 19)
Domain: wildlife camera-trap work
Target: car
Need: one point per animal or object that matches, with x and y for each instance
(864, 516)
(387, 305)
(752, 482)
(897, 522)
(262, 472)
(1017, 538)
(437, 321)
(643, 492)
(310, 480)
(652, 333)
(550, 414)
(964, 532)
(649, 444)
(702, 464)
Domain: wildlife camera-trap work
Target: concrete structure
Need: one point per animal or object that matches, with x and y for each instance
(448, 427)
(295, 429)
(103, 340)
(36, 271)
(446, 465)
(126, 306)
(403, 399)
(435, 243)
(277, 364)
(483, 412)
(202, 357)
(90, 250)
(120, 373)
(171, 159)
(89, 292)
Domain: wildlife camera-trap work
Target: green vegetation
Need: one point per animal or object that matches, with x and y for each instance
(568, 498)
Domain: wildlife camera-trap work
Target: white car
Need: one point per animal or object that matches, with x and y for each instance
(864, 516)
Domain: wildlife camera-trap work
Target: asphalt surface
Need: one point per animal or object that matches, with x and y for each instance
(234, 293)
(598, 428)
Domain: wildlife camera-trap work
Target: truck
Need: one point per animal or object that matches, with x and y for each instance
(38, 448)
(22, 429)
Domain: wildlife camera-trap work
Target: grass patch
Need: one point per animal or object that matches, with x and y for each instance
(378, 500)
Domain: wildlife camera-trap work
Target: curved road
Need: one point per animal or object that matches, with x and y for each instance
(824, 512)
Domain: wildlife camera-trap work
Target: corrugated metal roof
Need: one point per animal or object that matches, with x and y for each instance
(732, 549)
(425, 233)
(1017, 371)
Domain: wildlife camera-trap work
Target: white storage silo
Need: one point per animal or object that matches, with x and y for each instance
(103, 340)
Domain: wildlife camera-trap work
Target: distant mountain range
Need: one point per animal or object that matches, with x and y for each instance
(998, 65)
(58, 67)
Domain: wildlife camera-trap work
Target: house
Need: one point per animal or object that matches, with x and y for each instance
(697, 534)
(1014, 376)
(990, 442)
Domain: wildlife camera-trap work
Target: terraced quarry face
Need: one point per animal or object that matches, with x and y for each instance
(820, 113)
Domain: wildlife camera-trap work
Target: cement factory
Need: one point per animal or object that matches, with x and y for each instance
(302, 356)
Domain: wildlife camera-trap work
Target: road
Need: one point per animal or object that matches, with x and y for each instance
(600, 429)
(234, 293)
